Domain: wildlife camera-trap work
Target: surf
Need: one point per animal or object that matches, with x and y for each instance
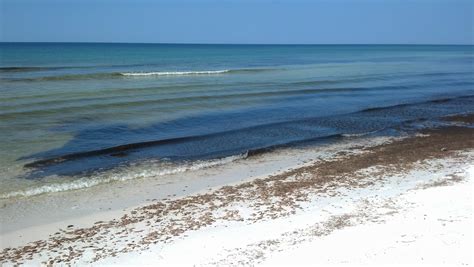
(174, 73)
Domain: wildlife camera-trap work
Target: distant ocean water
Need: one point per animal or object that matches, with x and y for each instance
(74, 115)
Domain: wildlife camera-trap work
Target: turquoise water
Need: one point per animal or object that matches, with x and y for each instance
(77, 115)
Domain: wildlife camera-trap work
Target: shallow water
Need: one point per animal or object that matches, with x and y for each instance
(82, 114)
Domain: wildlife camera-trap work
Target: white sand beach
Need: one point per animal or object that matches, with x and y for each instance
(420, 226)
(382, 204)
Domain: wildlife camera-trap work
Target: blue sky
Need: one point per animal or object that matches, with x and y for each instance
(239, 21)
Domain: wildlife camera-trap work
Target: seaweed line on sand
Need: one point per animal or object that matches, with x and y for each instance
(267, 198)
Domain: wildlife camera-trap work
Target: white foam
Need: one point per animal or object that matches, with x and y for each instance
(359, 134)
(175, 73)
(142, 170)
(355, 135)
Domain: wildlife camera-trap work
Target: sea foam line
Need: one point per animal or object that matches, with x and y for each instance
(176, 73)
(128, 174)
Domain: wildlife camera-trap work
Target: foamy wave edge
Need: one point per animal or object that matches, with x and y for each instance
(87, 182)
(361, 134)
(176, 73)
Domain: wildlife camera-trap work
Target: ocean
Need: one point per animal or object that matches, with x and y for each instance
(75, 115)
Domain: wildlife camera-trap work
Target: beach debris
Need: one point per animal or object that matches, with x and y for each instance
(265, 198)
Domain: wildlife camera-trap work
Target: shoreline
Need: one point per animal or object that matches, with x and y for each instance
(92, 166)
(109, 200)
(289, 185)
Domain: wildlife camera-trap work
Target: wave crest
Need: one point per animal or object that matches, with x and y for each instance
(130, 173)
(108, 75)
(174, 73)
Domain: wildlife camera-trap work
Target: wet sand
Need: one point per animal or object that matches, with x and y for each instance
(331, 194)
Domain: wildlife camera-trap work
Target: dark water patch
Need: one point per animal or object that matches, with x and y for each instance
(263, 137)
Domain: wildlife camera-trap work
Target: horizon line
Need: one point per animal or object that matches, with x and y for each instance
(171, 43)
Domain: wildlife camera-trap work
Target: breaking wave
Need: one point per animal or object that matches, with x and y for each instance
(111, 75)
(176, 73)
(138, 171)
